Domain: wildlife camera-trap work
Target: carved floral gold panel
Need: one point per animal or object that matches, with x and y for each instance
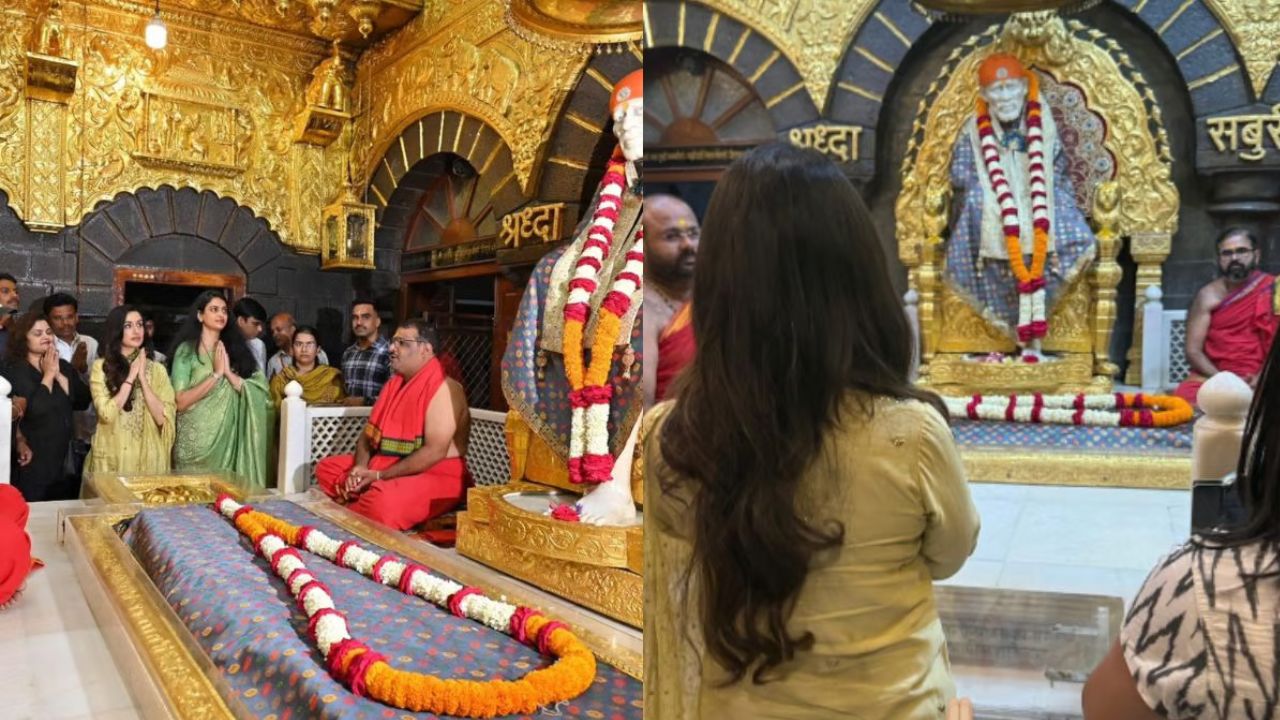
(464, 58)
(216, 110)
(1254, 27)
(212, 112)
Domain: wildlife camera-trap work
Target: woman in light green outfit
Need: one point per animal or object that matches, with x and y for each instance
(134, 402)
(223, 402)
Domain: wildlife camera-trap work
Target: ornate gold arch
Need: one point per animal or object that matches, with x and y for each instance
(1068, 51)
(465, 58)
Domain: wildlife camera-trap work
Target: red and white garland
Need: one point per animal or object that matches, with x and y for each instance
(366, 673)
(590, 392)
(1032, 323)
(1102, 410)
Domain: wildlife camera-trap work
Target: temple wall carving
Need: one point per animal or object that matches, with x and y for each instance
(213, 112)
(462, 56)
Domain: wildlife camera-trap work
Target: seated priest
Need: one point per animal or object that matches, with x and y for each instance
(1232, 320)
(409, 463)
(321, 383)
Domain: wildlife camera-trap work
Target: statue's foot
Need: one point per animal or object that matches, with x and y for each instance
(609, 504)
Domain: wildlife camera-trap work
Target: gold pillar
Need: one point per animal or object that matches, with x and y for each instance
(1104, 276)
(45, 153)
(1149, 251)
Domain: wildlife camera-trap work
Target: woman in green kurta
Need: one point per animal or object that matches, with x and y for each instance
(134, 402)
(222, 399)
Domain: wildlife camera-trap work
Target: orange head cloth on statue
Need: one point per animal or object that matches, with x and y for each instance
(628, 88)
(1000, 66)
(15, 546)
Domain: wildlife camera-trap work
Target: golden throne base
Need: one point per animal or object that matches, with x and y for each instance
(1067, 373)
(596, 567)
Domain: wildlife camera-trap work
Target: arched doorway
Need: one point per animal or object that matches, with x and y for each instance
(451, 277)
(700, 114)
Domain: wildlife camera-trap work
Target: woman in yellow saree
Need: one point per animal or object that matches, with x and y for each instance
(321, 384)
(222, 399)
(134, 401)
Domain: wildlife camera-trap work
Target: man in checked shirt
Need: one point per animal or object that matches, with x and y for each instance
(366, 365)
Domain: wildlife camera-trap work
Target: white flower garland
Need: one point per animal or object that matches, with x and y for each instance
(331, 628)
(1031, 305)
(1099, 410)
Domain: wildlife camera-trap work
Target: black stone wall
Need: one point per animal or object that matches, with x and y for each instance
(175, 230)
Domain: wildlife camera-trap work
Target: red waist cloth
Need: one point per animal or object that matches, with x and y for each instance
(404, 502)
(676, 348)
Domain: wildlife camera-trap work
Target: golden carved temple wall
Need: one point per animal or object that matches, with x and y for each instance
(461, 56)
(213, 111)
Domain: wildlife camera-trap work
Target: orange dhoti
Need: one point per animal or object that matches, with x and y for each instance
(402, 502)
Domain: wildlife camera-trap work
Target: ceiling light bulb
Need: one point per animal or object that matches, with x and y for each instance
(157, 34)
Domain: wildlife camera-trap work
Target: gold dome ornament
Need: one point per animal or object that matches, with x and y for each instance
(607, 25)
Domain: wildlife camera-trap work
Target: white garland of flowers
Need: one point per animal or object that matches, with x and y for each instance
(332, 629)
(1056, 409)
(1031, 306)
(585, 426)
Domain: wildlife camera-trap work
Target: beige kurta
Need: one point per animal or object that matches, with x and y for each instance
(897, 485)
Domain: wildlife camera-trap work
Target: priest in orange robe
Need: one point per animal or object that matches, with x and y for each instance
(15, 545)
(1232, 320)
(409, 462)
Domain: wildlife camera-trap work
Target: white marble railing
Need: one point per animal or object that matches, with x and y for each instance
(310, 433)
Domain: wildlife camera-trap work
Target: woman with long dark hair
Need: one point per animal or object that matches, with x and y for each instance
(52, 389)
(802, 494)
(134, 401)
(1200, 637)
(222, 400)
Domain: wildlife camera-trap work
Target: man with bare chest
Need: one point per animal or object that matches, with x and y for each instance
(1232, 320)
(671, 235)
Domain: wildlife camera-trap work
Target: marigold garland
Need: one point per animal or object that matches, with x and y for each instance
(1103, 410)
(367, 673)
(1032, 323)
(590, 393)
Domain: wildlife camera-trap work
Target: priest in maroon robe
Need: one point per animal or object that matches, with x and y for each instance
(1232, 320)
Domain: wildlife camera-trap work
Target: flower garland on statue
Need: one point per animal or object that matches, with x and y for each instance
(1113, 410)
(590, 393)
(1031, 283)
(367, 673)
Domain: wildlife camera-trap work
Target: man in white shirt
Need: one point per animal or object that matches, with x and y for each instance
(251, 318)
(282, 329)
(63, 313)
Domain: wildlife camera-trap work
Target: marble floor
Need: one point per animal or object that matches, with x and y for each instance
(1098, 541)
(54, 661)
(1094, 541)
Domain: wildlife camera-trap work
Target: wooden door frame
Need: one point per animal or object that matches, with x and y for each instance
(157, 276)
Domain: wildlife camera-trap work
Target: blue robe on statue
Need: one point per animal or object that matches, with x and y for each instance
(544, 404)
(988, 284)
